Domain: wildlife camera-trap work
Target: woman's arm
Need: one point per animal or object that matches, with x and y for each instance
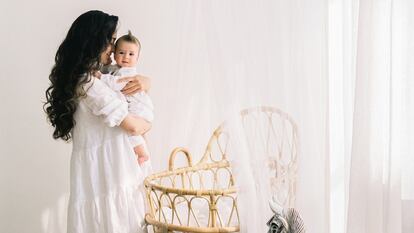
(135, 84)
(135, 125)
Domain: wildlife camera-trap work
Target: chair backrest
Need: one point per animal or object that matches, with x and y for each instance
(272, 138)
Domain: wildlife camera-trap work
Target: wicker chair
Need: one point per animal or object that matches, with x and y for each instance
(194, 198)
(272, 137)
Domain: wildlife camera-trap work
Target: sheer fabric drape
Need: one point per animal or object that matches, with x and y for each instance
(339, 68)
(381, 155)
(222, 56)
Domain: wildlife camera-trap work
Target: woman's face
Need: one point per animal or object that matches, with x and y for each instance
(105, 57)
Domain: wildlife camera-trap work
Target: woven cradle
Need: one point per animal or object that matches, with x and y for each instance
(196, 198)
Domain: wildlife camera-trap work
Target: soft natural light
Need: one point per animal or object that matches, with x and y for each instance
(337, 76)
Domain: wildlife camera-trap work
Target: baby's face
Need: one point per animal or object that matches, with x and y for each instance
(126, 54)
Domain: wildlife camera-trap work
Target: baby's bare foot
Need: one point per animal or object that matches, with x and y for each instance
(142, 159)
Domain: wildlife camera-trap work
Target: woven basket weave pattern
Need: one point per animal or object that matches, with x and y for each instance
(195, 198)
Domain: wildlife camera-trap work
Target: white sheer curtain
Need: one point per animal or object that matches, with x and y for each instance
(381, 127)
(339, 68)
(221, 56)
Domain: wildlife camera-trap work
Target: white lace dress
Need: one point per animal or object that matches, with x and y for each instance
(105, 181)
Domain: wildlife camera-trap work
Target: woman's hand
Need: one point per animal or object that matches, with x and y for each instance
(135, 83)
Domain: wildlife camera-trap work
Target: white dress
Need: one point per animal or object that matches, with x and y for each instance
(106, 193)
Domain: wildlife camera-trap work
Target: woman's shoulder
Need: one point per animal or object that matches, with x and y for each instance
(88, 84)
(94, 87)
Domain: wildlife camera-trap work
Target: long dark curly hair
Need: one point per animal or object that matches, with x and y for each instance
(77, 57)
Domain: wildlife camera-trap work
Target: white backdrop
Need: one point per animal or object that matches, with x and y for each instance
(196, 52)
(206, 59)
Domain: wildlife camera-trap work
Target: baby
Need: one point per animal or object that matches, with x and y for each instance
(127, 49)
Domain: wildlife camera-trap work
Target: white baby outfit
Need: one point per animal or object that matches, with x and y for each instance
(139, 104)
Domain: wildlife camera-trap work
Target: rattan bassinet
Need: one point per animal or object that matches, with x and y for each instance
(195, 198)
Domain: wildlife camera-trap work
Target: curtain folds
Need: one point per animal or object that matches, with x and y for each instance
(380, 125)
(340, 68)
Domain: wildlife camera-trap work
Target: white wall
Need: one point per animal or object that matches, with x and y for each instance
(34, 168)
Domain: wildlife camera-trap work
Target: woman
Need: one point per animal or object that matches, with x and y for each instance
(105, 193)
